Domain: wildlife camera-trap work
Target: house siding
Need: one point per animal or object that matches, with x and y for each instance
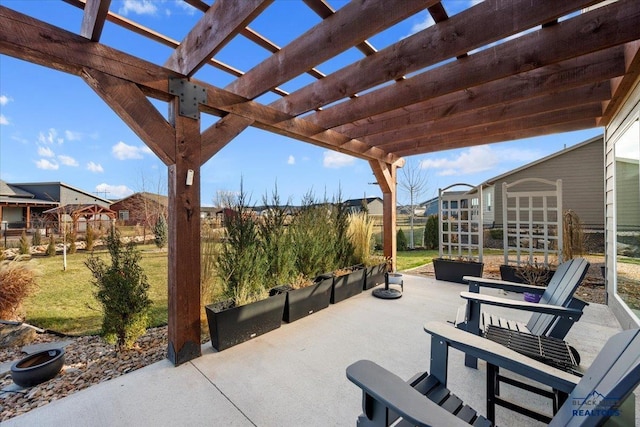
(623, 118)
(582, 175)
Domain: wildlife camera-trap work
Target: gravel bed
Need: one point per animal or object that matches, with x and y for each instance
(89, 360)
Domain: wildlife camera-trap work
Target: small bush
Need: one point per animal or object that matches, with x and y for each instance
(51, 247)
(90, 237)
(431, 232)
(122, 290)
(496, 233)
(17, 282)
(36, 239)
(401, 241)
(160, 231)
(71, 238)
(25, 247)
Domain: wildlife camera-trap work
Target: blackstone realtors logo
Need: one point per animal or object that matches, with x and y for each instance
(595, 405)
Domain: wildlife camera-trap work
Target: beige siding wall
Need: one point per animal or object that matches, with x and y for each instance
(582, 177)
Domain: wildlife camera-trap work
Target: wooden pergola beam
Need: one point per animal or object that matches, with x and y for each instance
(130, 104)
(452, 37)
(219, 134)
(504, 112)
(347, 27)
(44, 44)
(587, 112)
(602, 28)
(220, 23)
(95, 13)
(594, 69)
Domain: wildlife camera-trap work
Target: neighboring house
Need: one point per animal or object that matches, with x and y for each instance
(141, 209)
(430, 206)
(22, 203)
(580, 169)
(373, 205)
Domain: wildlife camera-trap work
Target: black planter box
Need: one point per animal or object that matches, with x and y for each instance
(509, 273)
(374, 276)
(239, 324)
(347, 285)
(305, 301)
(451, 270)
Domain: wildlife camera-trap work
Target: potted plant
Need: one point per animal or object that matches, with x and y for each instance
(361, 237)
(305, 297)
(534, 274)
(245, 309)
(347, 282)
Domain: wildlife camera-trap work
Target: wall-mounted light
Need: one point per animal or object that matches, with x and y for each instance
(190, 177)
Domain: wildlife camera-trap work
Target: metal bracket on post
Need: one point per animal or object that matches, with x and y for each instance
(190, 96)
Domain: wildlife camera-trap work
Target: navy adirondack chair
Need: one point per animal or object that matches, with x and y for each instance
(552, 317)
(602, 392)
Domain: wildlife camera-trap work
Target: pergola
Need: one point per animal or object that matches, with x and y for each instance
(500, 70)
(75, 212)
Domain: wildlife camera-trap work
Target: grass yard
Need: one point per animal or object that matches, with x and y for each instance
(65, 303)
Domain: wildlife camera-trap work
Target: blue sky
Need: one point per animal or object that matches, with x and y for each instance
(53, 127)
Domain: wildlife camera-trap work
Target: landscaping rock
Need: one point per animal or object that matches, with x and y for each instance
(15, 335)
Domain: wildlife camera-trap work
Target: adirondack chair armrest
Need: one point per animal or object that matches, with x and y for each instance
(523, 305)
(501, 356)
(383, 389)
(505, 285)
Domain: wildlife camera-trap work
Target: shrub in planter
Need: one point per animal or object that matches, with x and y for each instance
(347, 282)
(122, 290)
(246, 310)
(277, 241)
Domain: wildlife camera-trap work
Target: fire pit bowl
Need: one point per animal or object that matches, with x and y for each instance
(38, 367)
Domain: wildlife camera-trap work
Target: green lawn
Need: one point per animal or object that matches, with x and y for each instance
(411, 259)
(65, 303)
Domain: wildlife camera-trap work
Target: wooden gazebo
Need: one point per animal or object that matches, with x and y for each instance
(76, 211)
(497, 71)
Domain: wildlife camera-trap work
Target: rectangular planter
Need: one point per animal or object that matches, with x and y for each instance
(374, 276)
(451, 270)
(305, 301)
(347, 285)
(239, 324)
(509, 273)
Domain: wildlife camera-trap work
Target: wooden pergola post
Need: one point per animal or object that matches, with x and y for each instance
(386, 176)
(184, 239)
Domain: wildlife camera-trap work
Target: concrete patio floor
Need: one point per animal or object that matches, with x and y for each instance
(295, 375)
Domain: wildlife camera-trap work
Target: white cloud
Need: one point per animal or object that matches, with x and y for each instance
(3, 120)
(291, 160)
(421, 25)
(335, 160)
(122, 151)
(94, 167)
(45, 152)
(113, 191)
(47, 165)
(50, 137)
(67, 160)
(140, 7)
(4, 99)
(184, 6)
(477, 159)
(72, 136)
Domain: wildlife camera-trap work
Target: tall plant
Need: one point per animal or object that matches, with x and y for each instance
(312, 236)
(573, 235)
(161, 232)
(342, 243)
(361, 237)
(122, 290)
(241, 263)
(277, 242)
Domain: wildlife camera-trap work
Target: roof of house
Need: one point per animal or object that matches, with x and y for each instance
(159, 198)
(358, 202)
(60, 184)
(597, 139)
(10, 190)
